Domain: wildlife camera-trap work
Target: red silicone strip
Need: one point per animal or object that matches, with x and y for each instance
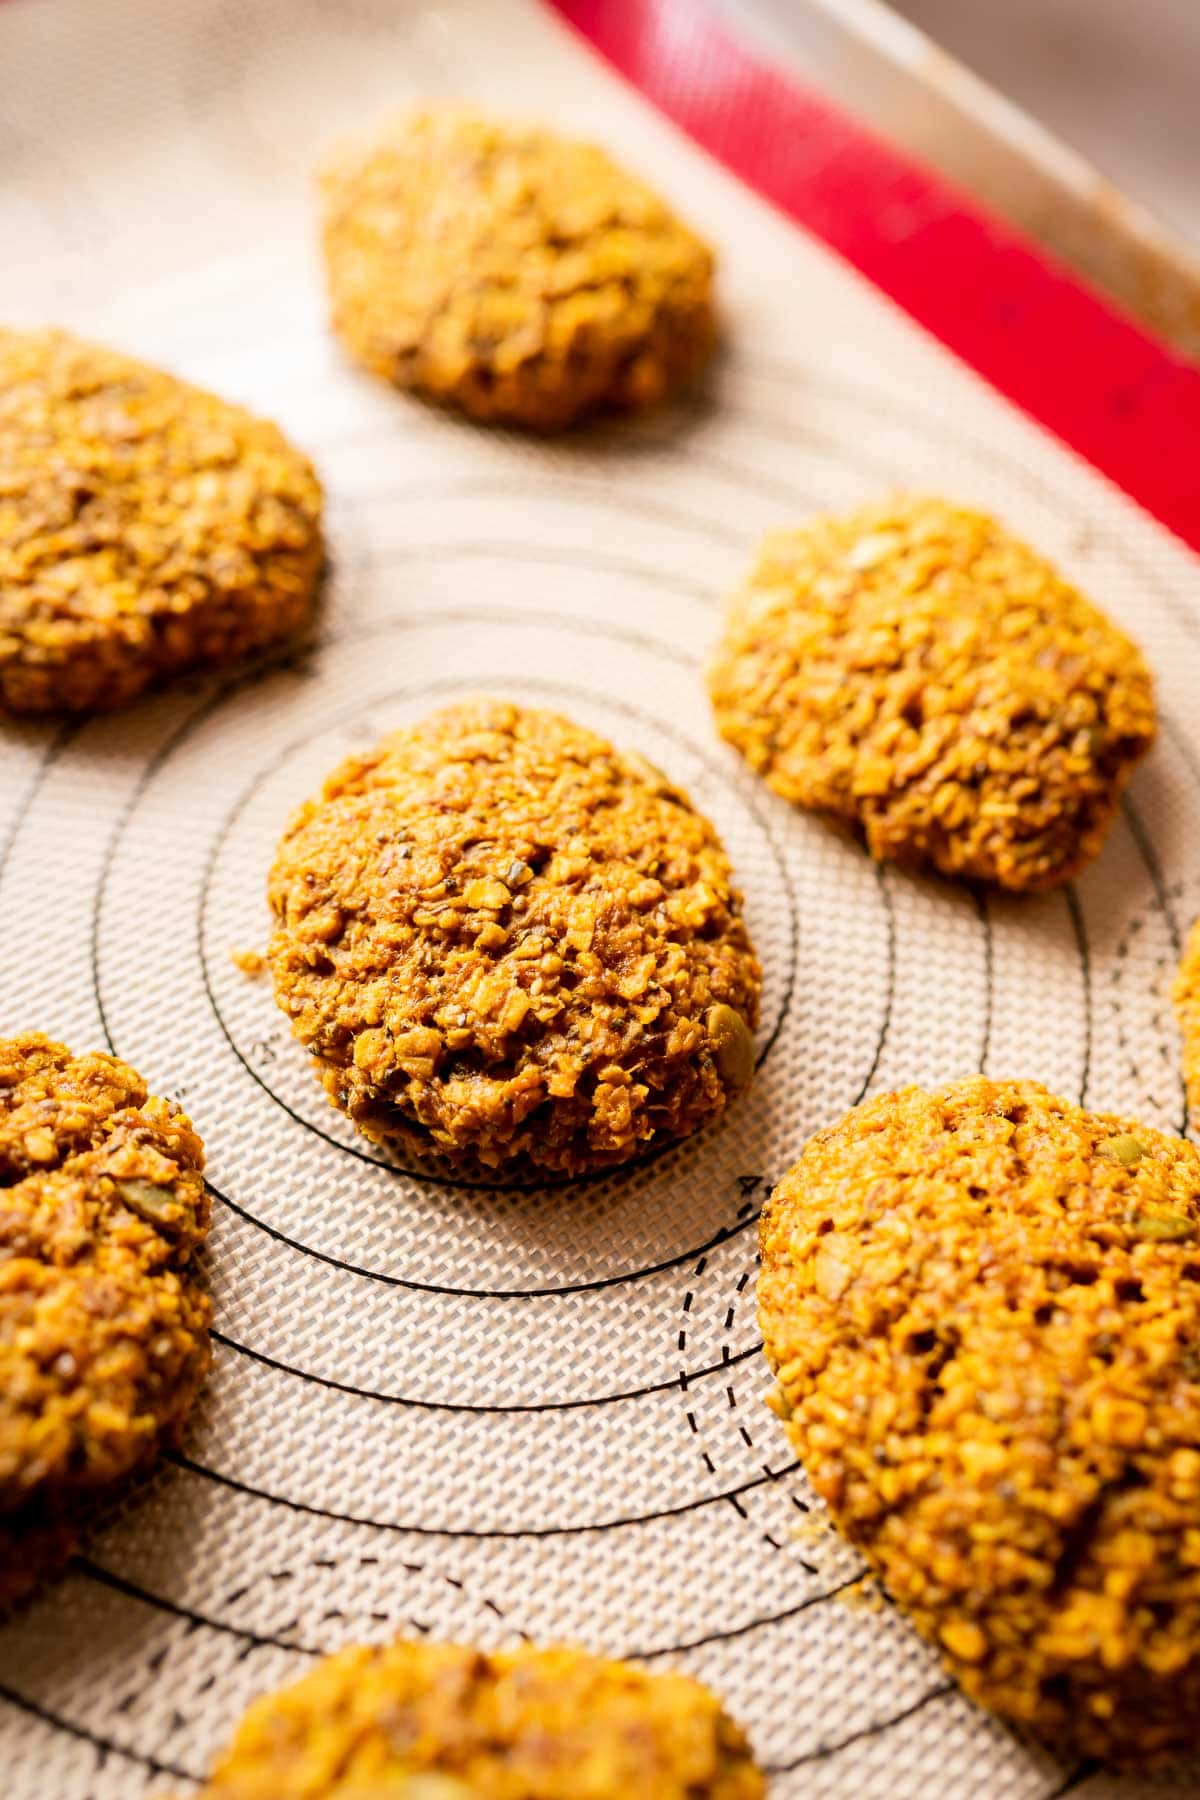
(1070, 359)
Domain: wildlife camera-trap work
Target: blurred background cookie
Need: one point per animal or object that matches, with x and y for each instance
(145, 527)
(441, 1722)
(516, 275)
(103, 1320)
(982, 1305)
(916, 671)
(505, 943)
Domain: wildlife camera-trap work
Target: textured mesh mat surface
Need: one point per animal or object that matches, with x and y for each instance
(435, 1409)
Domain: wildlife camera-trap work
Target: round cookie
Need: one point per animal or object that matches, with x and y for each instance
(103, 1322)
(145, 527)
(518, 276)
(1187, 1009)
(917, 672)
(982, 1305)
(508, 945)
(418, 1721)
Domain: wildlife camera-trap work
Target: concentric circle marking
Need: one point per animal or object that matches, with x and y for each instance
(251, 1028)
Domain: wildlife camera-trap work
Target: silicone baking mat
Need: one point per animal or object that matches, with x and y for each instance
(482, 1414)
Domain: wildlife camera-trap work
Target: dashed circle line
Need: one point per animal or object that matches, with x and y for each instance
(728, 1359)
(105, 1746)
(260, 1640)
(364, 1561)
(255, 1640)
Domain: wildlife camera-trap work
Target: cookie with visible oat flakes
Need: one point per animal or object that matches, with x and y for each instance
(918, 673)
(511, 947)
(982, 1306)
(103, 1318)
(146, 527)
(514, 275)
(419, 1721)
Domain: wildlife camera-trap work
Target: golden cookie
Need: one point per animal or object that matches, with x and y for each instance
(103, 1321)
(440, 1722)
(917, 672)
(145, 527)
(506, 944)
(513, 274)
(982, 1305)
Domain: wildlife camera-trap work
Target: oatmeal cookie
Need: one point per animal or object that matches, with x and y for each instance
(145, 527)
(506, 944)
(518, 276)
(419, 1721)
(918, 673)
(103, 1322)
(982, 1305)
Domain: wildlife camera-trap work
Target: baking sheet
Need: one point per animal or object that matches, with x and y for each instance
(436, 1409)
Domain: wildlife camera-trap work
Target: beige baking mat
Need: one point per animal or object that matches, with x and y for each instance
(482, 1414)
